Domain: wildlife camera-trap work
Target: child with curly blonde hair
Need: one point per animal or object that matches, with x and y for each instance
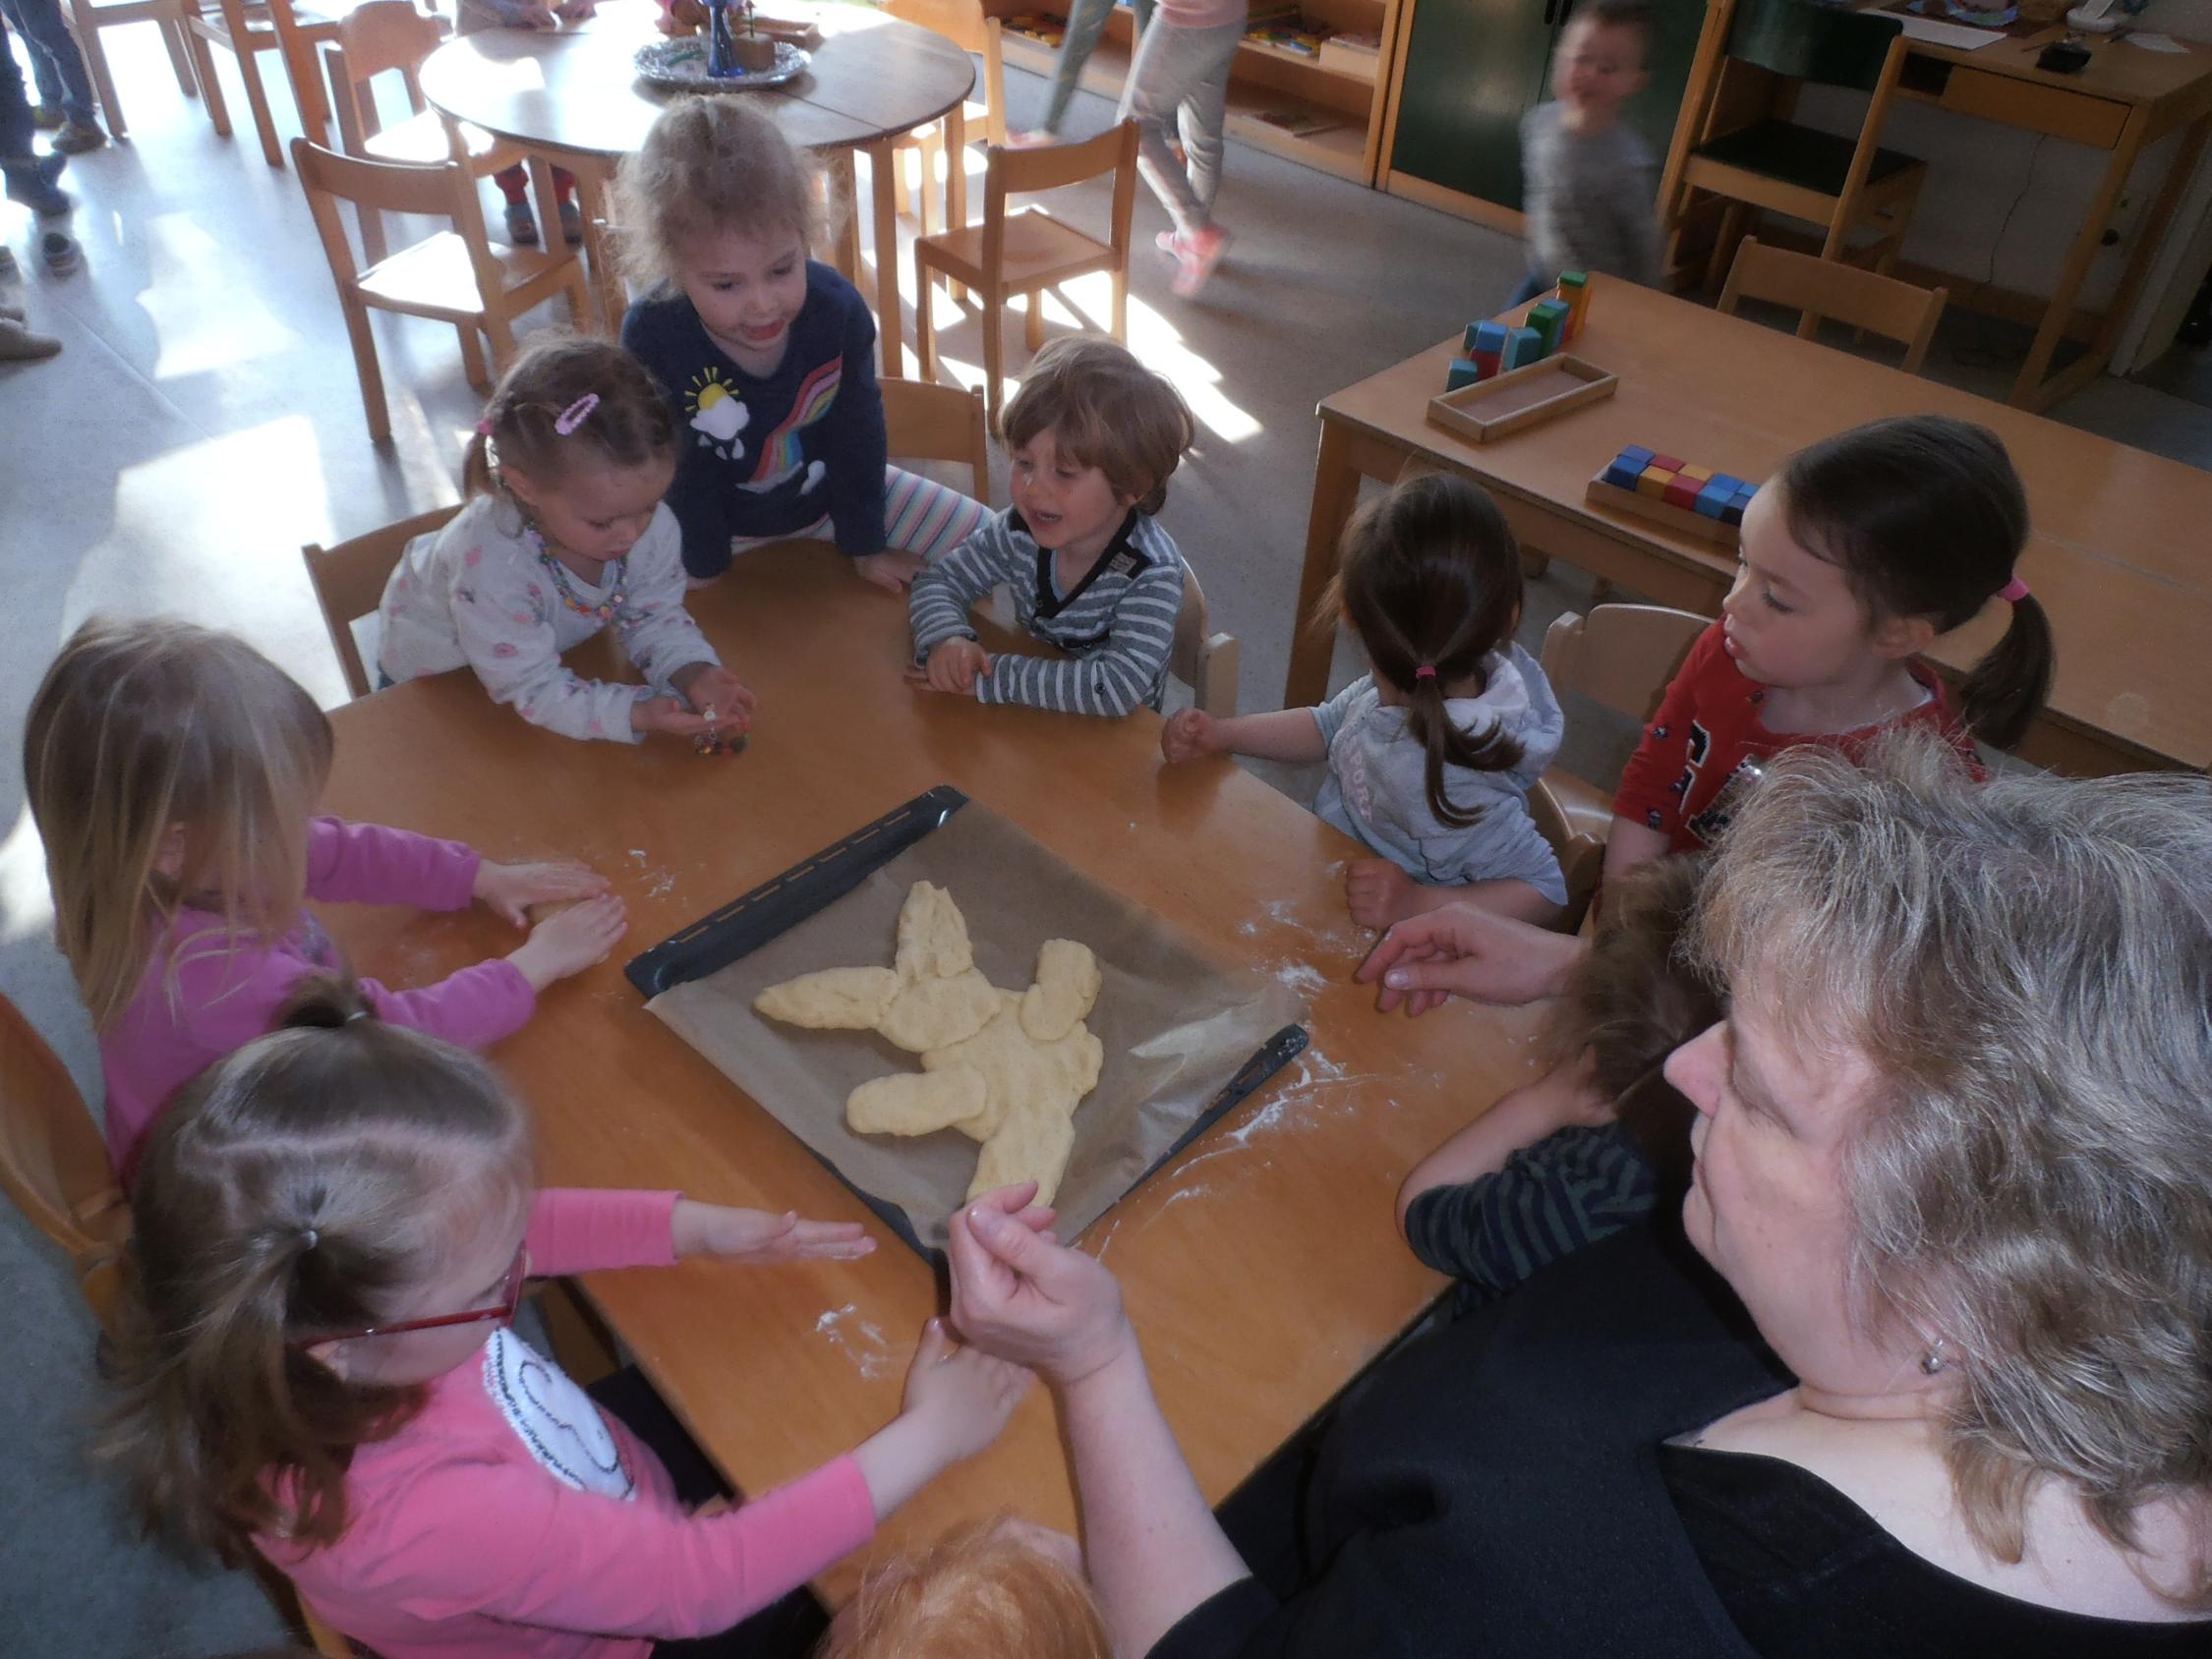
(766, 355)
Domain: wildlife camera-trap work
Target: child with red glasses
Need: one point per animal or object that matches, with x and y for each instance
(331, 1231)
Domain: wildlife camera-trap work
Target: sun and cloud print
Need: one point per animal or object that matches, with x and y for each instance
(717, 413)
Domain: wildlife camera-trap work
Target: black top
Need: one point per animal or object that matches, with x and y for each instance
(1504, 1487)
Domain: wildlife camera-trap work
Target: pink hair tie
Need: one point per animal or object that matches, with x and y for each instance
(1427, 672)
(574, 415)
(484, 427)
(2014, 591)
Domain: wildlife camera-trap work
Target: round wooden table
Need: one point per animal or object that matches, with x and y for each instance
(573, 95)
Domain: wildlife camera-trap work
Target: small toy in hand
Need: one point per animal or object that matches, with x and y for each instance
(713, 742)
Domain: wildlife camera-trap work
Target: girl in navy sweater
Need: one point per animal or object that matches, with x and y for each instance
(766, 355)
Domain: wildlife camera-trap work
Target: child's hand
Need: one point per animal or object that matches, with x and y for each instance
(575, 11)
(893, 570)
(1188, 736)
(953, 666)
(963, 1396)
(571, 941)
(1378, 892)
(707, 685)
(670, 715)
(508, 890)
(754, 1235)
(531, 14)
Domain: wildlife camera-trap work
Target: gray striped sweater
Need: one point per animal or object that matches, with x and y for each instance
(1116, 628)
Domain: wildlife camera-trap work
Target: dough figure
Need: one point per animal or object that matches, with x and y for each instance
(1007, 1068)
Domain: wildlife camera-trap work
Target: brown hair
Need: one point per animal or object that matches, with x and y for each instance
(614, 414)
(1106, 409)
(1431, 581)
(711, 165)
(1633, 15)
(142, 725)
(304, 1182)
(1926, 517)
(980, 1593)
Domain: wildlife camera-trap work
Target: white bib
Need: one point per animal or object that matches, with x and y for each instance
(554, 1418)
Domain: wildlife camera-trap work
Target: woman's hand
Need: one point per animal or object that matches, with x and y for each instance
(1024, 1297)
(1188, 736)
(716, 691)
(508, 890)
(1461, 950)
(953, 666)
(571, 941)
(734, 1234)
(893, 570)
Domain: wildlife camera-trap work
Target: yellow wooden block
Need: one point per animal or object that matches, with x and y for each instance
(1654, 482)
(1704, 475)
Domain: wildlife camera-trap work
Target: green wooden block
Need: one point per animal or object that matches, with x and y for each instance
(1549, 318)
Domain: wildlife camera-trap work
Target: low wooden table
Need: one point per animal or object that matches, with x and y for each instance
(2117, 556)
(574, 95)
(1262, 1271)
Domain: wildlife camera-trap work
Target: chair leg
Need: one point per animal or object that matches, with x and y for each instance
(211, 88)
(500, 331)
(85, 29)
(1734, 223)
(1120, 315)
(581, 316)
(365, 366)
(472, 356)
(256, 100)
(926, 336)
(903, 196)
(994, 352)
(1032, 320)
(172, 36)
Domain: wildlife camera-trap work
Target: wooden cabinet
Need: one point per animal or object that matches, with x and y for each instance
(1325, 114)
(1466, 71)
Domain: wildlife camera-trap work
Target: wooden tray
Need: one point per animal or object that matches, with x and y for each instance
(1521, 397)
(1680, 519)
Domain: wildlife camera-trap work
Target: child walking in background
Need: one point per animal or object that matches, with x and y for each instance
(1086, 22)
(1433, 754)
(1092, 437)
(1588, 183)
(329, 1237)
(566, 532)
(1860, 553)
(1181, 74)
(172, 772)
(767, 358)
(514, 182)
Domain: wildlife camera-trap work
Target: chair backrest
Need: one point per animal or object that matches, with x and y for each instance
(1882, 304)
(376, 39)
(1620, 655)
(1828, 46)
(1202, 659)
(53, 1164)
(438, 193)
(932, 423)
(966, 24)
(1582, 857)
(349, 583)
(1024, 172)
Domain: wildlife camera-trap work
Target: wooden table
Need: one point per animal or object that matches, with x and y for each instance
(2116, 557)
(1262, 1271)
(574, 94)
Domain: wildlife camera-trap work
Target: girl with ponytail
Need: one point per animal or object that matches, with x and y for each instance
(330, 1233)
(1431, 755)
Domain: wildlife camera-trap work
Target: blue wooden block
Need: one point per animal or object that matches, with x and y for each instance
(1624, 472)
(1732, 513)
(1729, 481)
(1487, 338)
(1639, 454)
(1523, 346)
(1462, 374)
(1713, 499)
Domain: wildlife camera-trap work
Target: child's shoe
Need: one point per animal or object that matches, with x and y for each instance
(78, 137)
(1035, 139)
(522, 225)
(19, 344)
(46, 117)
(59, 252)
(1197, 256)
(572, 224)
(30, 181)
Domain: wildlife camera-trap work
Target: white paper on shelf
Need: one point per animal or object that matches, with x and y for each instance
(2155, 42)
(1940, 33)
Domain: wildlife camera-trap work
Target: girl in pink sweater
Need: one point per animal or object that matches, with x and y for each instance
(171, 771)
(332, 1229)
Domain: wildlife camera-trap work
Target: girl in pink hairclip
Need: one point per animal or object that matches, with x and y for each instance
(1431, 754)
(566, 532)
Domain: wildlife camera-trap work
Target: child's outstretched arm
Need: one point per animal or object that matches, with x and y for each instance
(517, 658)
(937, 609)
(1286, 734)
(1561, 1097)
(1110, 681)
(659, 634)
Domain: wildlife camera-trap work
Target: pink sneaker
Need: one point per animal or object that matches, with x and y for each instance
(1036, 139)
(1197, 255)
(1169, 243)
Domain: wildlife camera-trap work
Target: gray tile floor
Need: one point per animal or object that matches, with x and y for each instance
(202, 423)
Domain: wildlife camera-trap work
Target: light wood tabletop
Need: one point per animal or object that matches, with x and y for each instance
(574, 94)
(2117, 556)
(1262, 1271)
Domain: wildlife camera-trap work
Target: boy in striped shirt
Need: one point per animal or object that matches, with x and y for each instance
(1094, 436)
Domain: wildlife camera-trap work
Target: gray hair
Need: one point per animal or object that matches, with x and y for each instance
(2027, 966)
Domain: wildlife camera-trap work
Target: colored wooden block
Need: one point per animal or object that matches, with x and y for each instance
(1683, 491)
(1523, 346)
(1574, 280)
(1484, 337)
(1461, 372)
(1549, 318)
(1667, 461)
(1732, 513)
(1574, 292)
(1652, 481)
(1623, 473)
(1710, 501)
(1638, 453)
(1729, 480)
(1489, 362)
(1704, 475)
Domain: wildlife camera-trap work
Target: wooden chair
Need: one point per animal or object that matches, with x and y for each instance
(1734, 139)
(349, 583)
(53, 1164)
(1866, 300)
(1620, 656)
(1202, 659)
(457, 276)
(384, 36)
(186, 51)
(1029, 252)
(966, 26)
(932, 423)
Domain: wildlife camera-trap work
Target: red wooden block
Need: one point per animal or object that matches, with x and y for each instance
(1668, 462)
(1683, 491)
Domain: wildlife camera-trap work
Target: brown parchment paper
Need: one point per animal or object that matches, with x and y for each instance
(1175, 1025)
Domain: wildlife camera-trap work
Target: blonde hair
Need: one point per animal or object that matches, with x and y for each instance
(1106, 409)
(2027, 966)
(614, 412)
(980, 1593)
(304, 1182)
(711, 165)
(142, 725)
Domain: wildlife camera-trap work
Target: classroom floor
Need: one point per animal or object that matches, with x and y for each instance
(202, 423)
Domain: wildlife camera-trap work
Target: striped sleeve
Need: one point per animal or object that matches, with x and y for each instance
(948, 588)
(1572, 1189)
(1120, 676)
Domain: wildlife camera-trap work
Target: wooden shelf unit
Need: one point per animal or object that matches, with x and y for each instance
(1266, 79)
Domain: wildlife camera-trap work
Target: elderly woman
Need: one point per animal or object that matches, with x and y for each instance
(1938, 1375)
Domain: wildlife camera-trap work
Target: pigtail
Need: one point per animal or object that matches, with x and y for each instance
(476, 474)
(1447, 744)
(2007, 688)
